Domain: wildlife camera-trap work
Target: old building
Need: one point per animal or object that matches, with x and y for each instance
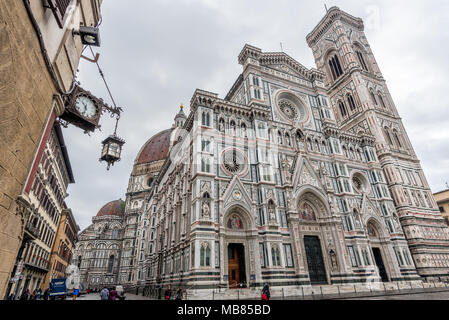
(39, 57)
(98, 251)
(63, 246)
(46, 211)
(298, 177)
(442, 199)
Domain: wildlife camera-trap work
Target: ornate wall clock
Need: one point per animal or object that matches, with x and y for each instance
(83, 109)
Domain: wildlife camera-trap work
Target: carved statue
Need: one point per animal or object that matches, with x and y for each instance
(271, 213)
(205, 210)
(334, 262)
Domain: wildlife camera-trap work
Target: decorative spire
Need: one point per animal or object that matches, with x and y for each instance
(180, 118)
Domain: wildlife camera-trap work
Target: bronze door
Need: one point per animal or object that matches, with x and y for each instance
(380, 264)
(315, 262)
(236, 265)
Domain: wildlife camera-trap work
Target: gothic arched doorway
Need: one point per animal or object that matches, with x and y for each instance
(310, 209)
(236, 253)
(239, 244)
(373, 233)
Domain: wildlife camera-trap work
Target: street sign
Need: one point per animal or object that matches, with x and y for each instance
(18, 275)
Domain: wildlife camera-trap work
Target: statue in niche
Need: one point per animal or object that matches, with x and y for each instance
(205, 210)
(334, 262)
(286, 165)
(271, 211)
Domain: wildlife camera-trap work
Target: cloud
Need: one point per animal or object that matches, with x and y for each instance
(156, 53)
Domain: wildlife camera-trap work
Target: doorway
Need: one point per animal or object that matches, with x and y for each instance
(236, 266)
(380, 264)
(315, 261)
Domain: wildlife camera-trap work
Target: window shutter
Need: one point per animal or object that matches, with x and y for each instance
(59, 8)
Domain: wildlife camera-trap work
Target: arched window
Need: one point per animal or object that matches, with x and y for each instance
(221, 125)
(299, 137)
(373, 98)
(205, 255)
(387, 136)
(335, 67)
(343, 110)
(233, 127)
(287, 139)
(361, 60)
(323, 147)
(396, 138)
(244, 133)
(111, 263)
(279, 137)
(309, 144)
(205, 165)
(276, 256)
(351, 102)
(205, 118)
(382, 102)
(114, 233)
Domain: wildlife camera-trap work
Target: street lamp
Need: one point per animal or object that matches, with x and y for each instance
(112, 148)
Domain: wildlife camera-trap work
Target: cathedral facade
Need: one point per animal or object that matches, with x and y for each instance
(297, 177)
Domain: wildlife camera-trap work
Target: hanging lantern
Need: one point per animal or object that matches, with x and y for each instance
(112, 148)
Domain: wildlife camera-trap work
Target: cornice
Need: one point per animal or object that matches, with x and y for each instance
(332, 15)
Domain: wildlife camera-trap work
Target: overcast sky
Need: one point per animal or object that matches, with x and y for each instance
(155, 53)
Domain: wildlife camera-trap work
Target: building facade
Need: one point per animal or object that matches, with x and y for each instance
(46, 210)
(63, 247)
(297, 177)
(98, 250)
(442, 199)
(39, 59)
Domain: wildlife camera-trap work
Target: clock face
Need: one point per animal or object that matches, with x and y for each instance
(86, 107)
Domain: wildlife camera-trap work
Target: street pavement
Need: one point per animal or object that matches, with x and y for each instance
(440, 295)
(96, 296)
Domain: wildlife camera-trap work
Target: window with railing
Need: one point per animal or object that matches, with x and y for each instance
(59, 9)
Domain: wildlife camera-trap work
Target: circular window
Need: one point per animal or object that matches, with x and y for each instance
(234, 162)
(359, 183)
(290, 107)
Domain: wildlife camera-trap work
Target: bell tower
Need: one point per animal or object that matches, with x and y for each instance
(363, 105)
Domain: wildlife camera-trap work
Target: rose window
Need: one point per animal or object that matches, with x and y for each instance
(234, 162)
(288, 109)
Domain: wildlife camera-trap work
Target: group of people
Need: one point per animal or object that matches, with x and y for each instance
(35, 295)
(109, 294)
(168, 293)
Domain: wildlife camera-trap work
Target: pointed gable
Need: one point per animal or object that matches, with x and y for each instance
(236, 194)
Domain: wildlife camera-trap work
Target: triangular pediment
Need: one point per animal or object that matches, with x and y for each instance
(369, 208)
(236, 195)
(306, 175)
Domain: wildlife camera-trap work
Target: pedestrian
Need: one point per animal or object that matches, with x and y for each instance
(39, 293)
(113, 294)
(46, 293)
(75, 293)
(24, 295)
(104, 294)
(168, 293)
(34, 295)
(266, 292)
(179, 294)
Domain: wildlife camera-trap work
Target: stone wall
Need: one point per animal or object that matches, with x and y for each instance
(26, 95)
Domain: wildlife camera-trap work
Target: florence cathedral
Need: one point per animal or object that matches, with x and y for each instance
(298, 177)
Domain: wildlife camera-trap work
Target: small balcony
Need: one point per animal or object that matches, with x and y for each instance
(31, 232)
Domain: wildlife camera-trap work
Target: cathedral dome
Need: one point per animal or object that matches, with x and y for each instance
(156, 148)
(113, 208)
